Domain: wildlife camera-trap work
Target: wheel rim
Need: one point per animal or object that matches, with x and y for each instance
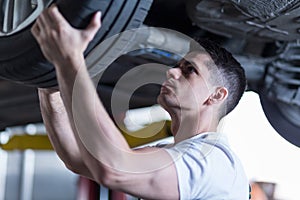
(15, 15)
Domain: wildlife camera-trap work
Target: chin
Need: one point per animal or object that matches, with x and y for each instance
(167, 103)
(160, 101)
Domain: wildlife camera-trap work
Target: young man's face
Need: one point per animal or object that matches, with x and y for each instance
(187, 86)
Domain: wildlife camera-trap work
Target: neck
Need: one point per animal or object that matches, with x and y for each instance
(189, 124)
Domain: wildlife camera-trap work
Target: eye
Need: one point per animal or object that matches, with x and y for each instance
(177, 65)
(190, 69)
(186, 68)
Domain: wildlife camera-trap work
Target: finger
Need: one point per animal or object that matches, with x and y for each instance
(45, 20)
(39, 25)
(38, 29)
(56, 17)
(35, 30)
(91, 30)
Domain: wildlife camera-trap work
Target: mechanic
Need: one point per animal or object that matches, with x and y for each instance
(199, 165)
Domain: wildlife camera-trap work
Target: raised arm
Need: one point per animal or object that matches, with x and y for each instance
(60, 132)
(148, 173)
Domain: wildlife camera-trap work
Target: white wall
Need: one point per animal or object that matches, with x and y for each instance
(265, 154)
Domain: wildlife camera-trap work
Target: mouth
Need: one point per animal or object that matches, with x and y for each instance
(165, 87)
(164, 90)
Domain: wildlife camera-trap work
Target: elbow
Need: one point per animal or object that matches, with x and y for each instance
(76, 167)
(105, 180)
(72, 168)
(80, 171)
(108, 178)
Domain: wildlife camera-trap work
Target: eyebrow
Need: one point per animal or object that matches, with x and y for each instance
(186, 61)
(197, 68)
(194, 64)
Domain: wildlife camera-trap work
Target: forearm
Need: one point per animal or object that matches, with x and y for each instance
(59, 131)
(100, 142)
(100, 145)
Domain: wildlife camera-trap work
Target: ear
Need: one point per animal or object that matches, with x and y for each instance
(218, 96)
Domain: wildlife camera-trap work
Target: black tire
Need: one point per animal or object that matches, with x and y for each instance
(22, 61)
(288, 129)
(19, 105)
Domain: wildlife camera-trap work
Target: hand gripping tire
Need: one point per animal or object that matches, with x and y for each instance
(21, 59)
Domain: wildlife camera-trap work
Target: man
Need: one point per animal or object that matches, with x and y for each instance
(198, 92)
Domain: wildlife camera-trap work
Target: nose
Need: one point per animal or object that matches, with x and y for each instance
(173, 73)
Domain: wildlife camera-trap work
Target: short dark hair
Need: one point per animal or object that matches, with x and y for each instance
(229, 72)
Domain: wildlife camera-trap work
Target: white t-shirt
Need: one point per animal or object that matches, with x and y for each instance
(207, 169)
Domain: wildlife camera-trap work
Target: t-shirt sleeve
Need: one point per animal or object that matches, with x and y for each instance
(207, 172)
(191, 170)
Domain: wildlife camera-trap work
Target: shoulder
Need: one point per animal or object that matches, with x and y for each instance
(206, 165)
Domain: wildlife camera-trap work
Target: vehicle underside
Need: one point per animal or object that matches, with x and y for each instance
(263, 35)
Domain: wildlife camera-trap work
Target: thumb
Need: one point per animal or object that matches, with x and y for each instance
(94, 25)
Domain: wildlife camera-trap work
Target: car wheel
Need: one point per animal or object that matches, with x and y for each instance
(20, 57)
(284, 118)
